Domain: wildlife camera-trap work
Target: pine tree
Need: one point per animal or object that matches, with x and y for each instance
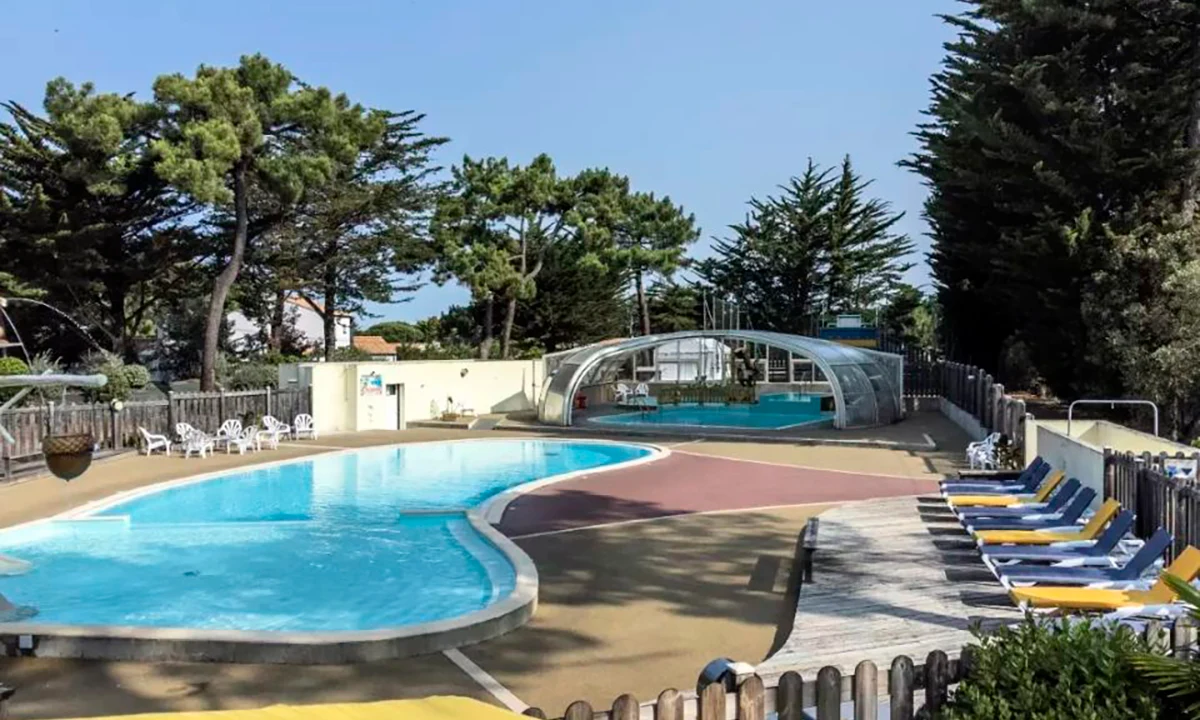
(83, 214)
(231, 131)
(818, 246)
(650, 237)
(1054, 126)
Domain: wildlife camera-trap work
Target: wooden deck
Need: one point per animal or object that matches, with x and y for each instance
(890, 577)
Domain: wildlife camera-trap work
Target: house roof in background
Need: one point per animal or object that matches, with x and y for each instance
(374, 344)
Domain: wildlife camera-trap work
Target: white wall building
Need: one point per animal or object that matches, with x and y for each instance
(355, 396)
(301, 315)
(691, 359)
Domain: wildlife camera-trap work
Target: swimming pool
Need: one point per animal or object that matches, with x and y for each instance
(781, 411)
(352, 541)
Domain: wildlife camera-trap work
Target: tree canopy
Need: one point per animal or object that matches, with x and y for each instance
(228, 132)
(818, 247)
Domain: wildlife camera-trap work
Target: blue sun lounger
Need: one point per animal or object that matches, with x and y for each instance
(983, 476)
(1069, 516)
(1129, 573)
(1028, 482)
(1080, 551)
(1057, 502)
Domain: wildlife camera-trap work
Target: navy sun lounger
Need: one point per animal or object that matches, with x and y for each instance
(1104, 545)
(1069, 516)
(1130, 571)
(1027, 484)
(1062, 495)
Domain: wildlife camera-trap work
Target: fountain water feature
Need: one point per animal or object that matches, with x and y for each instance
(78, 325)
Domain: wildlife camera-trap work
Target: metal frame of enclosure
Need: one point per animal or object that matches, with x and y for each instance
(867, 385)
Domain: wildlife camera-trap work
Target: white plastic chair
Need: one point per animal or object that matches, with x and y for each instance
(623, 392)
(982, 454)
(229, 431)
(274, 429)
(303, 425)
(642, 390)
(154, 442)
(196, 442)
(247, 439)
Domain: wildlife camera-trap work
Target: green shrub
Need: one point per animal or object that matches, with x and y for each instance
(112, 367)
(253, 376)
(11, 366)
(137, 376)
(1178, 678)
(1055, 670)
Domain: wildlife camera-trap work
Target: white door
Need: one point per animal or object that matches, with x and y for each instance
(395, 407)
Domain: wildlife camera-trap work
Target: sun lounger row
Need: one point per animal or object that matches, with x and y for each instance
(1034, 533)
(230, 435)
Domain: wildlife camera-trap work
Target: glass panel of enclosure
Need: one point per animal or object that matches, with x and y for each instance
(865, 383)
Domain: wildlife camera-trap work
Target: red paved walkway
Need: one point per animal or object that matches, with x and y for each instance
(681, 484)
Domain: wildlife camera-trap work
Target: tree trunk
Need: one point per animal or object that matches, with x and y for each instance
(510, 315)
(1191, 183)
(643, 303)
(329, 318)
(116, 316)
(489, 322)
(223, 283)
(275, 338)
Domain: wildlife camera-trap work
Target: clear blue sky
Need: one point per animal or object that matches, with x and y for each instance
(708, 101)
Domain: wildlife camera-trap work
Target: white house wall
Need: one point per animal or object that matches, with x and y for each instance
(307, 322)
(486, 386)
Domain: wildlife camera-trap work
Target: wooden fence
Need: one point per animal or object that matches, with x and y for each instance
(971, 388)
(1140, 482)
(118, 430)
(792, 695)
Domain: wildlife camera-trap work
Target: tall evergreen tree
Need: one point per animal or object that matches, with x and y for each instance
(83, 214)
(493, 232)
(1055, 127)
(650, 237)
(674, 308)
(819, 246)
(365, 231)
(229, 130)
(865, 258)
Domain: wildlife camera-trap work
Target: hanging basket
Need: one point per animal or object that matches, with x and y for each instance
(68, 456)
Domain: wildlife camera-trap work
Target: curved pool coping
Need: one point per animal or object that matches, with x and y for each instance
(123, 642)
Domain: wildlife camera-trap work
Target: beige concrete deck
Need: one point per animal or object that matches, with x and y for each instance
(891, 577)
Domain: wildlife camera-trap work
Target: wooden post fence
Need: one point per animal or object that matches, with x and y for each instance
(117, 430)
(822, 696)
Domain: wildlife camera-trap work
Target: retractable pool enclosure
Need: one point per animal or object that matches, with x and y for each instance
(866, 385)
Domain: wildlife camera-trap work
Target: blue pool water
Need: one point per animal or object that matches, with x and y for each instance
(313, 545)
(773, 412)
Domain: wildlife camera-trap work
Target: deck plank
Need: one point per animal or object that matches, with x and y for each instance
(881, 588)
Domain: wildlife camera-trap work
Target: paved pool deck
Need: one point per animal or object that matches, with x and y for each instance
(646, 574)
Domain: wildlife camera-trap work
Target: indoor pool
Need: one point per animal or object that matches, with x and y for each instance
(361, 540)
(773, 412)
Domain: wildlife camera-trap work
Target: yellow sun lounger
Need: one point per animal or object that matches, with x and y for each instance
(1052, 481)
(1186, 567)
(431, 708)
(1091, 531)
